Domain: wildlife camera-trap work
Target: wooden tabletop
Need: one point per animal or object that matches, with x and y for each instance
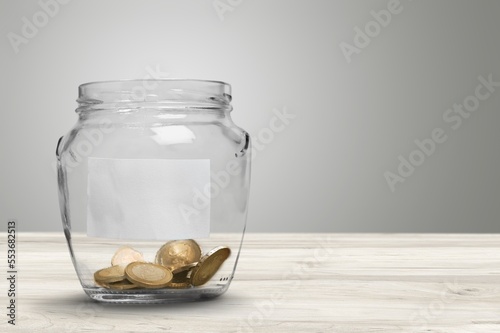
(341, 283)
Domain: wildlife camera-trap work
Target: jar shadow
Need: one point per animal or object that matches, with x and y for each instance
(74, 304)
(72, 313)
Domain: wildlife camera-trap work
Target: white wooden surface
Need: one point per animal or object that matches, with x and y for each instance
(342, 283)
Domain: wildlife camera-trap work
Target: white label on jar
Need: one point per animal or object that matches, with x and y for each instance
(148, 199)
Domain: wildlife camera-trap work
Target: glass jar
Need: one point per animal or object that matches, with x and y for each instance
(153, 190)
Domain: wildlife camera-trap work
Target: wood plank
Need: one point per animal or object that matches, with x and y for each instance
(288, 283)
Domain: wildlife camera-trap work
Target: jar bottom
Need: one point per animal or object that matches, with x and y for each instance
(152, 296)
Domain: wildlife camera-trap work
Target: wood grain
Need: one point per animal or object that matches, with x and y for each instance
(341, 283)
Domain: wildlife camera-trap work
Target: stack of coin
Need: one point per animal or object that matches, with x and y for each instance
(178, 264)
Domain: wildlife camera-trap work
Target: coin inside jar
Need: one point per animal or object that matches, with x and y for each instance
(178, 285)
(209, 265)
(125, 255)
(120, 285)
(148, 275)
(110, 274)
(178, 253)
(180, 275)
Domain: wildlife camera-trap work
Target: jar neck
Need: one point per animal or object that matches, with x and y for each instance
(154, 116)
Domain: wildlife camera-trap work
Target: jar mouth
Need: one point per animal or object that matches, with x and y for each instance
(157, 93)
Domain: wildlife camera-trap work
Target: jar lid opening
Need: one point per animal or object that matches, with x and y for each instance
(166, 93)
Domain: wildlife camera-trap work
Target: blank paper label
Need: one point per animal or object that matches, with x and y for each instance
(148, 199)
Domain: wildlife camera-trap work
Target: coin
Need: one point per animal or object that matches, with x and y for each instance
(178, 253)
(180, 279)
(209, 265)
(120, 285)
(110, 274)
(148, 275)
(125, 255)
(178, 285)
(181, 273)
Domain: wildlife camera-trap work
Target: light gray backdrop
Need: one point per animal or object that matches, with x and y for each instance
(361, 87)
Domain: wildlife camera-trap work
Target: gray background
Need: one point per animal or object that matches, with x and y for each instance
(325, 172)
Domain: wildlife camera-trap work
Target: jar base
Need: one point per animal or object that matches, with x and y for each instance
(152, 296)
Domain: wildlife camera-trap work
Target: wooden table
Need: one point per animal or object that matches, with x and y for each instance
(342, 283)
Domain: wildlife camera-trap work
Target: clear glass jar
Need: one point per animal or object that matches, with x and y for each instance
(148, 162)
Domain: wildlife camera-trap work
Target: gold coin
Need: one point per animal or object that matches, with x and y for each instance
(209, 265)
(181, 274)
(178, 285)
(120, 285)
(110, 274)
(178, 253)
(125, 255)
(148, 275)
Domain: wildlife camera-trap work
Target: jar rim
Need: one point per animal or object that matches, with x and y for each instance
(166, 93)
(86, 84)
